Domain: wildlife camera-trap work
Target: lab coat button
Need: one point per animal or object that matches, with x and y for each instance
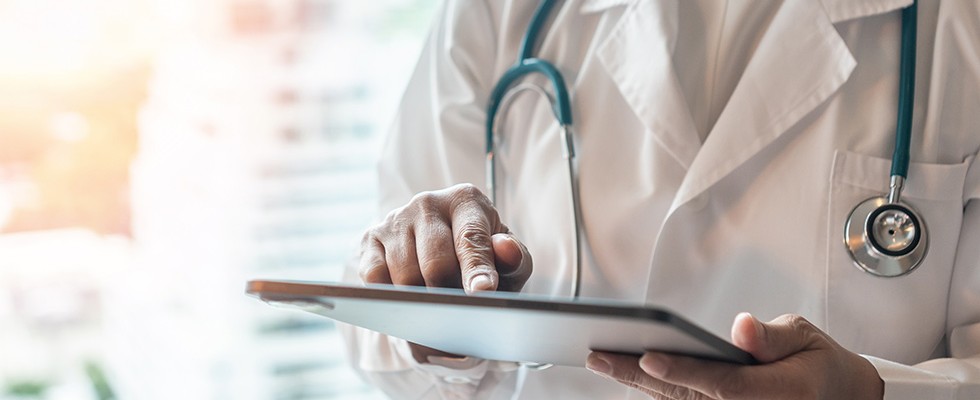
(457, 380)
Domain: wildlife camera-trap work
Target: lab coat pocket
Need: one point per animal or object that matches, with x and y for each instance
(900, 318)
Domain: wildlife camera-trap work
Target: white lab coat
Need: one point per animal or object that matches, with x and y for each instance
(749, 220)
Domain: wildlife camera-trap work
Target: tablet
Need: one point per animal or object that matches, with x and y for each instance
(502, 326)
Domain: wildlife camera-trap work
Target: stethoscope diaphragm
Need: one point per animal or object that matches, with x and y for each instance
(884, 238)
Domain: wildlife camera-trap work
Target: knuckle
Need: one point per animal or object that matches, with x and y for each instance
(805, 330)
(390, 216)
(797, 321)
(377, 231)
(396, 221)
(431, 231)
(794, 321)
(467, 190)
(380, 230)
(473, 237)
(368, 237)
(429, 217)
(399, 221)
(425, 200)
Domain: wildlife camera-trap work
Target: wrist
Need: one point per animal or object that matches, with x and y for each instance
(869, 385)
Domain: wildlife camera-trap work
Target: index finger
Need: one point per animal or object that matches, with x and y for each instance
(473, 224)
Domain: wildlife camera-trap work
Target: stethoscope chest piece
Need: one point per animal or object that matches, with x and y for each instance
(884, 238)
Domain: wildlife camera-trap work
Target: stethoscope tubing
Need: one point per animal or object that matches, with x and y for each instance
(562, 104)
(906, 93)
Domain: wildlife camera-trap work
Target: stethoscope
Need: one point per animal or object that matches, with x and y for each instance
(884, 236)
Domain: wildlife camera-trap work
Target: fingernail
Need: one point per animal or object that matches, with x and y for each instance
(654, 364)
(480, 282)
(598, 365)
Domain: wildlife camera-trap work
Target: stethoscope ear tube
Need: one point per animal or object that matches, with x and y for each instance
(537, 22)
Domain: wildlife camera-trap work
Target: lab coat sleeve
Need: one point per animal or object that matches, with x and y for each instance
(436, 141)
(958, 376)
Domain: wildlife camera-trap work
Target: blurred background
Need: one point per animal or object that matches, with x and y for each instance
(155, 155)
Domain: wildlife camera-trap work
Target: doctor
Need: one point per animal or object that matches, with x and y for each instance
(720, 146)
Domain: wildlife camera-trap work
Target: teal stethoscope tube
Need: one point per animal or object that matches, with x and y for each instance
(906, 93)
(527, 64)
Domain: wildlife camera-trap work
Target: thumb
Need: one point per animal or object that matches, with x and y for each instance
(775, 340)
(513, 262)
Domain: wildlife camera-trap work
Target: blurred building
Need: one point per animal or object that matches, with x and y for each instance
(51, 304)
(256, 153)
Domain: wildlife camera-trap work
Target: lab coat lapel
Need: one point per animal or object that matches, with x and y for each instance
(637, 55)
(799, 63)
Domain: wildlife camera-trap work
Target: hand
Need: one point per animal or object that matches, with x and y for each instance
(445, 238)
(798, 361)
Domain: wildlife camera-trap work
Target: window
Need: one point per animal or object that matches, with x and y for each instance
(236, 140)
